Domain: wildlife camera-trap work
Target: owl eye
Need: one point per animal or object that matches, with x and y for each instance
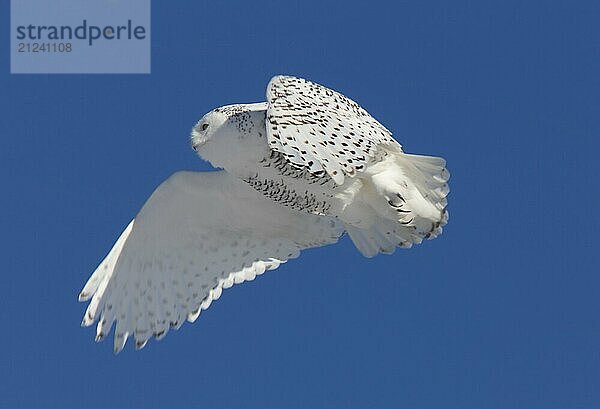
(204, 126)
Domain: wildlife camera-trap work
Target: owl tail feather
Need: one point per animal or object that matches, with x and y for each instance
(408, 196)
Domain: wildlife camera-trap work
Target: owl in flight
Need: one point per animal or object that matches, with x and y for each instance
(298, 171)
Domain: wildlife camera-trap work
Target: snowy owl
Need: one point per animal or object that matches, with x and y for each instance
(298, 171)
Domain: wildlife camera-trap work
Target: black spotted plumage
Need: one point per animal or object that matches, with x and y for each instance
(318, 128)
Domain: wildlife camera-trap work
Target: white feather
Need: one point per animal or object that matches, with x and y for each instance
(198, 234)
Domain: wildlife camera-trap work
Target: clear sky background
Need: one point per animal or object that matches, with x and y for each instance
(501, 311)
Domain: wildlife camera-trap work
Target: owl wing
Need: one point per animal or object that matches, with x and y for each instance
(320, 129)
(197, 234)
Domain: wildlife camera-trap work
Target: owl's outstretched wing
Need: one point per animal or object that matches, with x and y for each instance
(196, 235)
(321, 129)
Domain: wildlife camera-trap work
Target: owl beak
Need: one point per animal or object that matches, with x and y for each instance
(197, 145)
(197, 140)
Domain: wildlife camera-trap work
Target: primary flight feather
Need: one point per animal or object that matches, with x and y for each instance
(298, 171)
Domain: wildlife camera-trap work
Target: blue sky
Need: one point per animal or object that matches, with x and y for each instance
(500, 312)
